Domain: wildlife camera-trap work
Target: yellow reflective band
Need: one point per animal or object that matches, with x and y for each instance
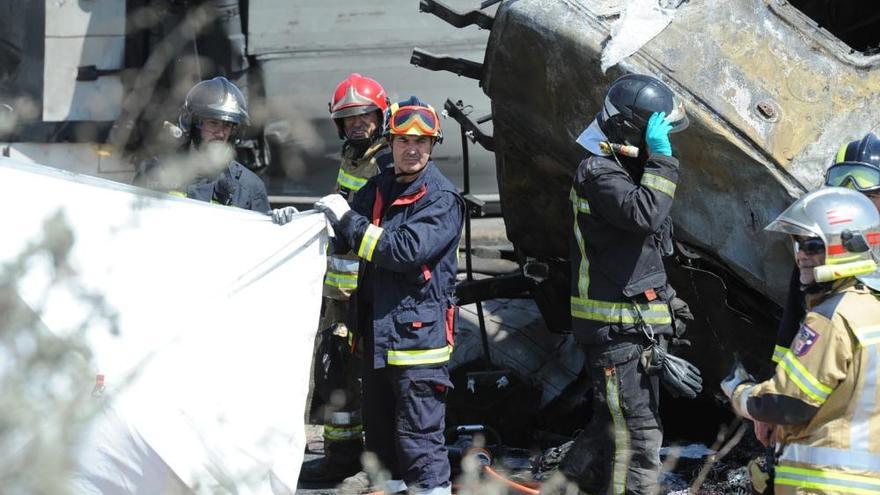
(614, 312)
(584, 266)
(621, 434)
(659, 183)
(803, 379)
(369, 242)
(580, 204)
(778, 352)
(827, 480)
(341, 280)
(179, 194)
(412, 358)
(343, 433)
(348, 181)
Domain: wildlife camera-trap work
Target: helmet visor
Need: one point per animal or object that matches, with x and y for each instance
(414, 121)
(853, 175)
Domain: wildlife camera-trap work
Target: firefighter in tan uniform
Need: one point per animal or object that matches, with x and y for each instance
(358, 109)
(824, 399)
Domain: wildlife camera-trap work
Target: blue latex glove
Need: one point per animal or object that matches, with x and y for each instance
(657, 134)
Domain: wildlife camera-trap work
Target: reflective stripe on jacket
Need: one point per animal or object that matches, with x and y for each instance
(825, 394)
(408, 249)
(342, 269)
(621, 232)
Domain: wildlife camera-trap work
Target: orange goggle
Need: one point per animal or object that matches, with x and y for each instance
(414, 121)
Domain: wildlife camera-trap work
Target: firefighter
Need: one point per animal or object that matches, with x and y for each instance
(856, 166)
(212, 119)
(358, 109)
(621, 306)
(405, 225)
(823, 396)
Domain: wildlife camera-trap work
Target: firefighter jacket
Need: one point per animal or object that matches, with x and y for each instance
(408, 246)
(792, 314)
(236, 186)
(622, 230)
(824, 396)
(342, 269)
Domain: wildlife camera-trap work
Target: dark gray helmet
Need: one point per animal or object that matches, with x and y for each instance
(216, 99)
(630, 102)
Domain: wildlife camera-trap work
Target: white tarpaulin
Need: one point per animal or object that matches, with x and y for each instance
(216, 310)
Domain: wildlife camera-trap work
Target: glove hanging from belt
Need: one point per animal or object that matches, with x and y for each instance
(679, 377)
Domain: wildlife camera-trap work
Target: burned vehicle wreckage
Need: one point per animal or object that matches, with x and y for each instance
(771, 87)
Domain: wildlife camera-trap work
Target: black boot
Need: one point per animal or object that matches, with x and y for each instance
(342, 458)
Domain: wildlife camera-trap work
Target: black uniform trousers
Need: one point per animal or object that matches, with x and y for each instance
(619, 450)
(404, 416)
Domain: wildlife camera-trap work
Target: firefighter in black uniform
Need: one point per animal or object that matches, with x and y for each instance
(622, 308)
(203, 168)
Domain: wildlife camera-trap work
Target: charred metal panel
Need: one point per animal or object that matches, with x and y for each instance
(769, 104)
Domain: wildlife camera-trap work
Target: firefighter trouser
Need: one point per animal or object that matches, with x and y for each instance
(337, 375)
(619, 450)
(404, 412)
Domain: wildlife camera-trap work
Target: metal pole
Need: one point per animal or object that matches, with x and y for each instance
(484, 336)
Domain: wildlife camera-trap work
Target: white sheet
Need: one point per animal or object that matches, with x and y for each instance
(217, 311)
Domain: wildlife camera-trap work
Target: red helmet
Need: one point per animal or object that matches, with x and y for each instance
(357, 95)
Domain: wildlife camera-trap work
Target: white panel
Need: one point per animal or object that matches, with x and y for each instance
(65, 98)
(85, 17)
(209, 368)
(307, 25)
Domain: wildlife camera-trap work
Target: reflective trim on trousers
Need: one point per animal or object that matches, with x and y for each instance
(348, 181)
(369, 242)
(860, 460)
(343, 265)
(659, 183)
(411, 358)
(824, 479)
(344, 418)
(343, 433)
(778, 353)
(616, 312)
(620, 432)
(341, 280)
(860, 426)
(804, 380)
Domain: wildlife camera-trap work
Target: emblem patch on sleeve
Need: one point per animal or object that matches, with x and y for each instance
(804, 341)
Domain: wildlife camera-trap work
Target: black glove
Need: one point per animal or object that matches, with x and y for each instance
(679, 377)
(681, 315)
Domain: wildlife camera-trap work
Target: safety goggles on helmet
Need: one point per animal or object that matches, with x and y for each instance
(853, 175)
(414, 121)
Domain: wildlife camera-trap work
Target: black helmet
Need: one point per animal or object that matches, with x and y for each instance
(216, 99)
(630, 102)
(856, 165)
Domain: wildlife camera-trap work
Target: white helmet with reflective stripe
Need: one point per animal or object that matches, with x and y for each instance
(848, 224)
